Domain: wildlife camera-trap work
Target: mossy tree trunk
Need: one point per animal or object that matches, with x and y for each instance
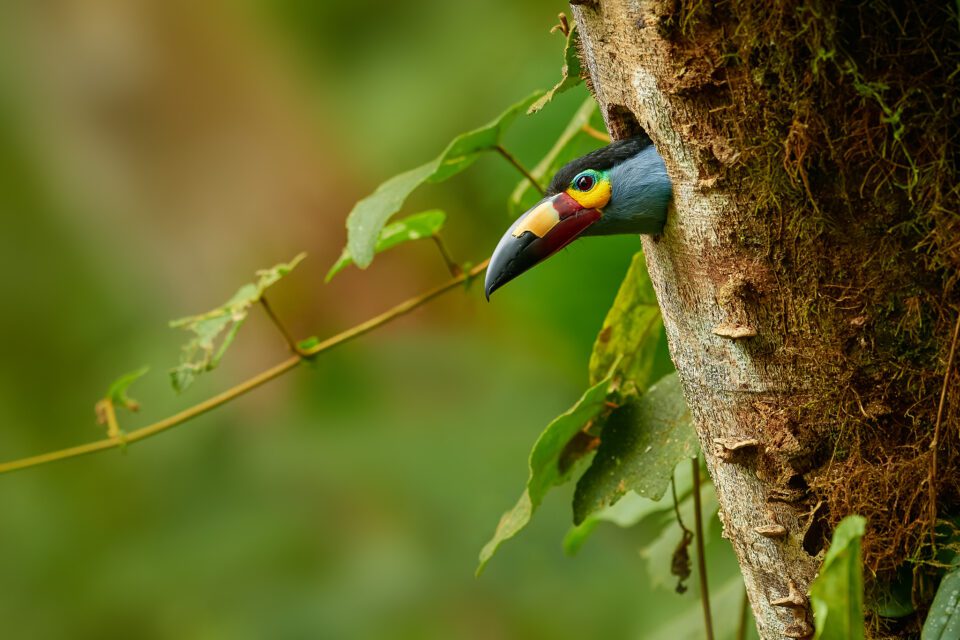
(807, 274)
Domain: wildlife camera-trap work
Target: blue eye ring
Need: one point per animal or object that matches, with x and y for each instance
(584, 181)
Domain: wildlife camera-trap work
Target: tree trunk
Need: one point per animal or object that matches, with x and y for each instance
(806, 274)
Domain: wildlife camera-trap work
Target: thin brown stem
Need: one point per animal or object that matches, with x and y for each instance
(519, 167)
(934, 444)
(595, 133)
(245, 386)
(701, 555)
(452, 266)
(291, 343)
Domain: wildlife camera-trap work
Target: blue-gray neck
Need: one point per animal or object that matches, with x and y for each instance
(639, 198)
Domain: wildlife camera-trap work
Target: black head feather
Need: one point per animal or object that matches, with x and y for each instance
(601, 160)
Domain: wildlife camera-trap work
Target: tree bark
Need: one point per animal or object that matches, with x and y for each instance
(806, 274)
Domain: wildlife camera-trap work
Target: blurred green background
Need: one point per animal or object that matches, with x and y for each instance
(154, 154)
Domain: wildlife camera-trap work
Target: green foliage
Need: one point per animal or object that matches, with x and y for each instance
(117, 393)
(545, 465)
(943, 620)
(657, 553)
(567, 147)
(630, 331)
(837, 592)
(626, 512)
(414, 227)
(214, 331)
(370, 214)
(570, 75)
(642, 442)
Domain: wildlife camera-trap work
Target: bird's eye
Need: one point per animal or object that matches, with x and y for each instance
(584, 182)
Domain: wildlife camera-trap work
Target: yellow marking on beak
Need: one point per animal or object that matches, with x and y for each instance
(539, 220)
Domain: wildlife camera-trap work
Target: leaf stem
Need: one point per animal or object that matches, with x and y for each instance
(452, 266)
(288, 338)
(594, 133)
(244, 387)
(701, 555)
(519, 167)
(936, 436)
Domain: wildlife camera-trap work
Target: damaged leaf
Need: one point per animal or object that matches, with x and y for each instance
(214, 331)
(570, 75)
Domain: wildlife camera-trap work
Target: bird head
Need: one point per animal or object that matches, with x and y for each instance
(620, 188)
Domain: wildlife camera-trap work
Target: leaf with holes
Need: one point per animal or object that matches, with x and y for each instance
(370, 215)
(546, 468)
(642, 441)
(214, 331)
(419, 225)
(570, 75)
(631, 330)
(837, 592)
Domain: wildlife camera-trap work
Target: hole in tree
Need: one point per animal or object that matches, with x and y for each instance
(621, 123)
(816, 537)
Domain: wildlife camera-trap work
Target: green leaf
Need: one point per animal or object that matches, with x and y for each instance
(419, 225)
(545, 465)
(117, 393)
(627, 512)
(370, 214)
(642, 442)
(569, 75)
(837, 592)
(630, 331)
(943, 621)
(214, 331)
(571, 144)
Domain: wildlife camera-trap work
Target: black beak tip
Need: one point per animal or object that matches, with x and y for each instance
(489, 287)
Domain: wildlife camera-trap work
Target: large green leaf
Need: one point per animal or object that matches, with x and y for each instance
(837, 592)
(642, 441)
(572, 143)
(545, 465)
(370, 215)
(630, 331)
(569, 75)
(419, 225)
(214, 331)
(943, 621)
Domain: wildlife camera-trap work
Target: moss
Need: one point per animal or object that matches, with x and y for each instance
(845, 115)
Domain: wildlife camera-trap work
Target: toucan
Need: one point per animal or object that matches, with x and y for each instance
(622, 188)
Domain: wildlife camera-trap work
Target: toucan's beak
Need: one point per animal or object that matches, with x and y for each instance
(549, 226)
